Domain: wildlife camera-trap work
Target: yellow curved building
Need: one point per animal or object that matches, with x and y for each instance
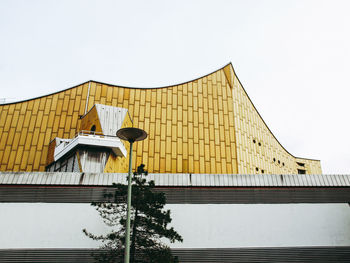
(207, 125)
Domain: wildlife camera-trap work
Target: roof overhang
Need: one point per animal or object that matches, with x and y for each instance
(178, 188)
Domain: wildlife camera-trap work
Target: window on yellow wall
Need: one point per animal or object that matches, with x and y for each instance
(300, 171)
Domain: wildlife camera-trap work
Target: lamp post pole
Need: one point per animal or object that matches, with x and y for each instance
(131, 135)
(127, 235)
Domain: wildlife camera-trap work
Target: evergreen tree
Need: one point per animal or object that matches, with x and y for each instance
(149, 223)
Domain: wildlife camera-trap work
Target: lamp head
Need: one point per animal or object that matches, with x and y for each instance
(131, 134)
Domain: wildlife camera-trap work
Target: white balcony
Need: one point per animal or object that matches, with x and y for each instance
(86, 138)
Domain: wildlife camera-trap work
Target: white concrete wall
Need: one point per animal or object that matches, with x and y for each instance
(43, 225)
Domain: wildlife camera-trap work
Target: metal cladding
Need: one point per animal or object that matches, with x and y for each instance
(111, 118)
(207, 125)
(176, 180)
(178, 188)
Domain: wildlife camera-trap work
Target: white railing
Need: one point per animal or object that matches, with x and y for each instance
(93, 133)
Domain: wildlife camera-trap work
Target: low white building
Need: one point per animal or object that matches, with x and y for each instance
(222, 218)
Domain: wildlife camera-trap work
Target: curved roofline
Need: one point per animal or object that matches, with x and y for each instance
(39, 97)
(263, 118)
(309, 159)
(120, 86)
(168, 86)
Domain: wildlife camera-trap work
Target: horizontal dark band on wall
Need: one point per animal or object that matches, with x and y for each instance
(180, 195)
(278, 254)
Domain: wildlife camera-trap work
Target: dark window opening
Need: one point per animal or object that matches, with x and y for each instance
(65, 165)
(301, 164)
(300, 171)
(254, 141)
(283, 164)
(279, 161)
(93, 128)
(259, 144)
(57, 166)
(262, 171)
(274, 159)
(257, 169)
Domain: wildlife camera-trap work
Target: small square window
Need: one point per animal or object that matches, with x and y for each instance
(300, 171)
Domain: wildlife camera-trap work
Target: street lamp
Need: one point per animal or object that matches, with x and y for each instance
(131, 135)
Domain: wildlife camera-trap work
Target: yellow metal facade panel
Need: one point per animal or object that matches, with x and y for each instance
(258, 151)
(35, 123)
(203, 126)
(91, 119)
(118, 164)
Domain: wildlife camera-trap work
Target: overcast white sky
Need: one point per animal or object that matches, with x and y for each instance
(292, 57)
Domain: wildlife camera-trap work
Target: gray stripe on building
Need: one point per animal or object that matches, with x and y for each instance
(273, 254)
